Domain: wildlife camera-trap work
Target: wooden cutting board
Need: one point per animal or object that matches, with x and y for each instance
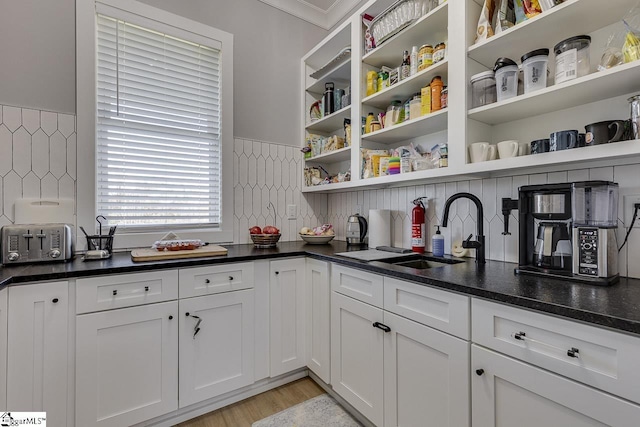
(155, 255)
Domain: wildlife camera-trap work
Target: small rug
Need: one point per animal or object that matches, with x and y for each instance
(321, 411)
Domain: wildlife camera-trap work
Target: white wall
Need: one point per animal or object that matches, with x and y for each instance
(38, 59)
(37, 53)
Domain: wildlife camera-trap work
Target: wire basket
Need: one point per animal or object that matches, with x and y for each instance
(265, 240)
(100, 242)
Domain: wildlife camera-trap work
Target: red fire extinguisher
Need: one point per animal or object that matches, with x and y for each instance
(417, 226)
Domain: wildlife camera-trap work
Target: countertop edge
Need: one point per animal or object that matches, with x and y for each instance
(39, 272)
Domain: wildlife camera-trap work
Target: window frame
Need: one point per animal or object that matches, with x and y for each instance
(86, 57)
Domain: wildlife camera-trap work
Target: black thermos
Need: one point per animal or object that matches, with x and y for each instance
(329, 104)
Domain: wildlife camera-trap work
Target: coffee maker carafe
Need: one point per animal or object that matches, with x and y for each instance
(553, 246)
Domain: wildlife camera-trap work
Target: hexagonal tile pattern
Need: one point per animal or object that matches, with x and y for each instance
(11, 117)
(48, 122)
(6, 146)
(31, 120)
(28, 168)
(21, 151)
(58, 155)
(40, 152)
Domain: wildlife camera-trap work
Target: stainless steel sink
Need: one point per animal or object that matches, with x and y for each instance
(420, 262)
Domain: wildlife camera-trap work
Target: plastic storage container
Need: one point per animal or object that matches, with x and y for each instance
(572, 58)
(534, 65)
(506, 71)
(483, 89)
(595, 203)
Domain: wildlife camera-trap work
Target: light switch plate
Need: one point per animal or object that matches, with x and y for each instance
(292, 211)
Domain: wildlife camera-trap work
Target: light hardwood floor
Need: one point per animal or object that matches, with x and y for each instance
(248, 411)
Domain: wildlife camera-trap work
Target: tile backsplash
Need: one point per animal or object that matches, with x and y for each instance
(37, 157)
(266, 173)
(462, 215)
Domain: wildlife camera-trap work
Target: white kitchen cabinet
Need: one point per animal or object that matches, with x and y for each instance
(38, 349)
(318, 308)
(507, 392)
(357, 355)
(3, 347)
(126, 365)
(426, 376)
(216, 345)
(287, 316)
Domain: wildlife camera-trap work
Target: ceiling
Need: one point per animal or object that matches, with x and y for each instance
(323, 13)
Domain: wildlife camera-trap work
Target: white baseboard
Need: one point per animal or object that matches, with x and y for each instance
(210, 405)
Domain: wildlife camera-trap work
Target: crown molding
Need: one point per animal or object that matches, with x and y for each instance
(325, 19)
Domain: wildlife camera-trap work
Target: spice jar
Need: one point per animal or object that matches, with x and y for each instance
(444, 97)
(425, 57)
(436, 93)
(439, 52)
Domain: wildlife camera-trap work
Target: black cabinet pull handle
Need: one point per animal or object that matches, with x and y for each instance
(573, 352)
(170, 317)
(479, 372)
(207, 281)
(115, 292)
(146, 289)
(187, 314)
(277, 272)
(519, 336)
(55, 300)
(382, 326)
(230, 277)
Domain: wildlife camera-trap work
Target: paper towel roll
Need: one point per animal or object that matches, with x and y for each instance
(379, 227)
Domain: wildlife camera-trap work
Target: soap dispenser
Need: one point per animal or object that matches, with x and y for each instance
(437, 243)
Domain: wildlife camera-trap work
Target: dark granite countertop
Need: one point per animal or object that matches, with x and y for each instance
(616, 306)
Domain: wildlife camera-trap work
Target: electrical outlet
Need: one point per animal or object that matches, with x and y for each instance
(629, 207)
(292, 212)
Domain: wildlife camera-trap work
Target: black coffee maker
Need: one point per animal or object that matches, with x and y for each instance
(567, 230)
(544, 229)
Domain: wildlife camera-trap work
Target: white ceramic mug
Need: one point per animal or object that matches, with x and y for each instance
(508, 149)
(524, 149)
(482, 151)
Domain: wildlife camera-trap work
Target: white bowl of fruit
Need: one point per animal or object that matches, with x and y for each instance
(318, 235)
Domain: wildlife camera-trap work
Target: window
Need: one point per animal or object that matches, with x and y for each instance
(159, 87)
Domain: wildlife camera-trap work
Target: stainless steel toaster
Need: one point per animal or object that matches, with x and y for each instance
(28, 243)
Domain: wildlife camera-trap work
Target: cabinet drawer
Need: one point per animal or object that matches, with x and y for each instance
(439, 309)
(125, 290)
(601, 358)
(215, 279)
(358, 284)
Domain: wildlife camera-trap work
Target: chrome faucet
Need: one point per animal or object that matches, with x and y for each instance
(478, 244)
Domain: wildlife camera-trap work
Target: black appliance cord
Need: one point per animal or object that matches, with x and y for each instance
(635, 215)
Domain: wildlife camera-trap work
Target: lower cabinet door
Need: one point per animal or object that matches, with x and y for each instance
(318, 319)
(37, 350)
(426, 377)
(216, 345)
(126, 365)
(507, 392)
(357, 355)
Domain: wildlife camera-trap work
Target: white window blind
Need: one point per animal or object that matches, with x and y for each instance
(158, 128)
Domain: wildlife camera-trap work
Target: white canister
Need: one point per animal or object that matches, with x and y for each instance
(506, 72)
(534, 65)
(379, 227)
